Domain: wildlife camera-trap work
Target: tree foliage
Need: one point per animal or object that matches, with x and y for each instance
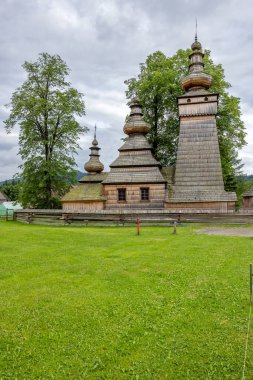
(159, 84)
(11, 189)
(45, 107)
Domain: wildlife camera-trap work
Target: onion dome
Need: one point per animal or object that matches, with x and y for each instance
(135, 122)
(94, 165)
(196, 45)
(197, 79)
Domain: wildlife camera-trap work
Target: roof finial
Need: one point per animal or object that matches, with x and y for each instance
(94, 142)
(196, 31)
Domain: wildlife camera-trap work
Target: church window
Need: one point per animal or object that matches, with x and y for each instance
(121, 194)
(144, 193)
(188, 100)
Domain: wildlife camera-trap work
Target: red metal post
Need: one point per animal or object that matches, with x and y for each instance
(138, 223)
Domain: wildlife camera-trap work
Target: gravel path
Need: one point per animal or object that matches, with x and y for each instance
(246, 232)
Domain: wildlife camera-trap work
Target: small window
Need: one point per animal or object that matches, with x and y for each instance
(145, 194)
(121, 194)
(188, 100)
(206, 99)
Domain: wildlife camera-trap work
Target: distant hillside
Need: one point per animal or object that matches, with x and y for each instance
(248, 177)
(78, 177)
(9, 181)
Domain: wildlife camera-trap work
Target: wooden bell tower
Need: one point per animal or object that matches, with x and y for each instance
(198, 178)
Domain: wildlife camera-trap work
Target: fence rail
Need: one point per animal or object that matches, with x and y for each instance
(116, 217)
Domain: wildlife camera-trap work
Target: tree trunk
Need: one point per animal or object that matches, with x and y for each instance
(48, 182)
(155, 128)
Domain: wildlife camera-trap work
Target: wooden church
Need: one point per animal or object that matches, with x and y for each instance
(137, 181)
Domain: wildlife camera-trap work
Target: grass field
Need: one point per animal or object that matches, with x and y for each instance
(103, 303)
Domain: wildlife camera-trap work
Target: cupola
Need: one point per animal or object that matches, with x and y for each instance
(197, 79)
(135, 122)
(94, 165)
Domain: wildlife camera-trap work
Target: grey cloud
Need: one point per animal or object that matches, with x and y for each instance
(5, 146)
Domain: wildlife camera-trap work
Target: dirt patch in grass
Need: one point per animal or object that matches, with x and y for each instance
(246, 232)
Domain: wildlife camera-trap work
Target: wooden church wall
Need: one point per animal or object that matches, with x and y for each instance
(74, 206)
(133, 197)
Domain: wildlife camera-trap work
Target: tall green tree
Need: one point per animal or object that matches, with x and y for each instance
(45, 108)
(159, 84)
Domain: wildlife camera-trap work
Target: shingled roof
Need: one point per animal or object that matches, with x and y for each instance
(85, 192)
(249, 193)
(3, 197)
(92, 178)
(120, 177)
(139, 159)
(134, 142)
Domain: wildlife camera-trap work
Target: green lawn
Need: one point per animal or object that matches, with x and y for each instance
(103, 303)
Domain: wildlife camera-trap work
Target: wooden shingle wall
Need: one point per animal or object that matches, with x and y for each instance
(133, 196)
(198, 165)
(219, 207)
(82, 205)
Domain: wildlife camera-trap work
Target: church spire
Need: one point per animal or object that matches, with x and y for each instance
(197, 79)
(94, 142)
(94, 165)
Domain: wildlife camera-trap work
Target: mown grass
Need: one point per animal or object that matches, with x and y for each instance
(103, 303)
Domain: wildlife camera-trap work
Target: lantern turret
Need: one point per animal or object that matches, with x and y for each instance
(135, 122)
(197, 79)
(94, 165)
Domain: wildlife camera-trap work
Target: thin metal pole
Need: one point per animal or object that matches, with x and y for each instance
(250, 282)
(248, 329)
(175, 228)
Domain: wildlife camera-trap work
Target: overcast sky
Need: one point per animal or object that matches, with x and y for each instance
(103, 43)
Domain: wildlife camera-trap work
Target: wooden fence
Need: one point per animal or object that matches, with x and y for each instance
(126, 217)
